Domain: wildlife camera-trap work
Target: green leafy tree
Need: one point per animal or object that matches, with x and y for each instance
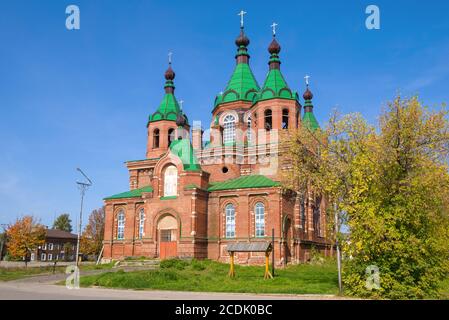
(63, 222)
(400, 211)
(390, 186)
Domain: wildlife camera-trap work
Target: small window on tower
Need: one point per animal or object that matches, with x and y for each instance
(171, 136)
(156, 138)
(229, 129)
(285, 119)
(248, 130)
(268, 120)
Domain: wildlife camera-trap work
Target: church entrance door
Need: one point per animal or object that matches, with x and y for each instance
(168, 228)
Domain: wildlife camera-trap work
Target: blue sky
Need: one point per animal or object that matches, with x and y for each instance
(81, 98)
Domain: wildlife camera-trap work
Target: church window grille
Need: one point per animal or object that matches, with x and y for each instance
(121, 225)
(230, 221)
(171, 181)
(260, 219)
(229, 129)
(141, 223)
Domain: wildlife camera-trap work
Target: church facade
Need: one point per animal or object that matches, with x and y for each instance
(191, 198)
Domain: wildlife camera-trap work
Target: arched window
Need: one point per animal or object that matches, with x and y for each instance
(121, 225)
(268, 120)
(156, 138)
(285, 119)
(229, 129)
(317, 215)
(302, 209)
(141, 223)
(260, 219)
(171, 181)
(248, 130)
(171, 136)
(230, 221)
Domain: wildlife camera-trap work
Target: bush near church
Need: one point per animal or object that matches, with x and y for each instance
(390, 185)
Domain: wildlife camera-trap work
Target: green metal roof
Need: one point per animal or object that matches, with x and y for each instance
(137, 193)
(169, 107)
(244, 182)
(167, 110)
(183, 149)
(309, 121)
(275, 86)
(242, 86)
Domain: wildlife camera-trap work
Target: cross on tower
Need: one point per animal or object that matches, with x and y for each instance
(307, 79)
(169, 57)
(241, 14)
(273, 26)
(180, 103)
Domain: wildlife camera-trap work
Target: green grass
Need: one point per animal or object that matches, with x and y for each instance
(211, 276)
(8, 274)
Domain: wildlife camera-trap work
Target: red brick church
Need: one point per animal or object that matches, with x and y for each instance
(191, 198)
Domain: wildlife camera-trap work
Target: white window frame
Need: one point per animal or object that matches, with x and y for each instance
(259, 213)
(32, 256)
(171, 181)
(50, 246)
(249, 135)
(141, 223)
(50, 257)
(229, 128)
(43, 257)
(44, 247)
(121, 225)
(230, 220)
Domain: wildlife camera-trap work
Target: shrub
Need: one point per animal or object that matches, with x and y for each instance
(197, 265)
(174, 263)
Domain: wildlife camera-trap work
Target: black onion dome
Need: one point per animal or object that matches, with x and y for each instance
(180, 120)
(242, 39)
(307, 94)
(274, 47)
(169, 74)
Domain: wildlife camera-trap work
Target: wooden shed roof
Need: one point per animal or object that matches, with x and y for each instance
(249, 247)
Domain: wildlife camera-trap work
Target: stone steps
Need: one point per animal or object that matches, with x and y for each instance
(153, 263)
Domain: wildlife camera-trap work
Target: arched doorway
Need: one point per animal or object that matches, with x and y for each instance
(167, 228)
(287, 235)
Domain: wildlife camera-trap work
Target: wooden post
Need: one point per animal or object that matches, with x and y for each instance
(231, 271)
(267, 275)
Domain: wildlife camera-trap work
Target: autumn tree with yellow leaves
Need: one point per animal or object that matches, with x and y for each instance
(389, 184)
(25, 235)
(92, 236)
